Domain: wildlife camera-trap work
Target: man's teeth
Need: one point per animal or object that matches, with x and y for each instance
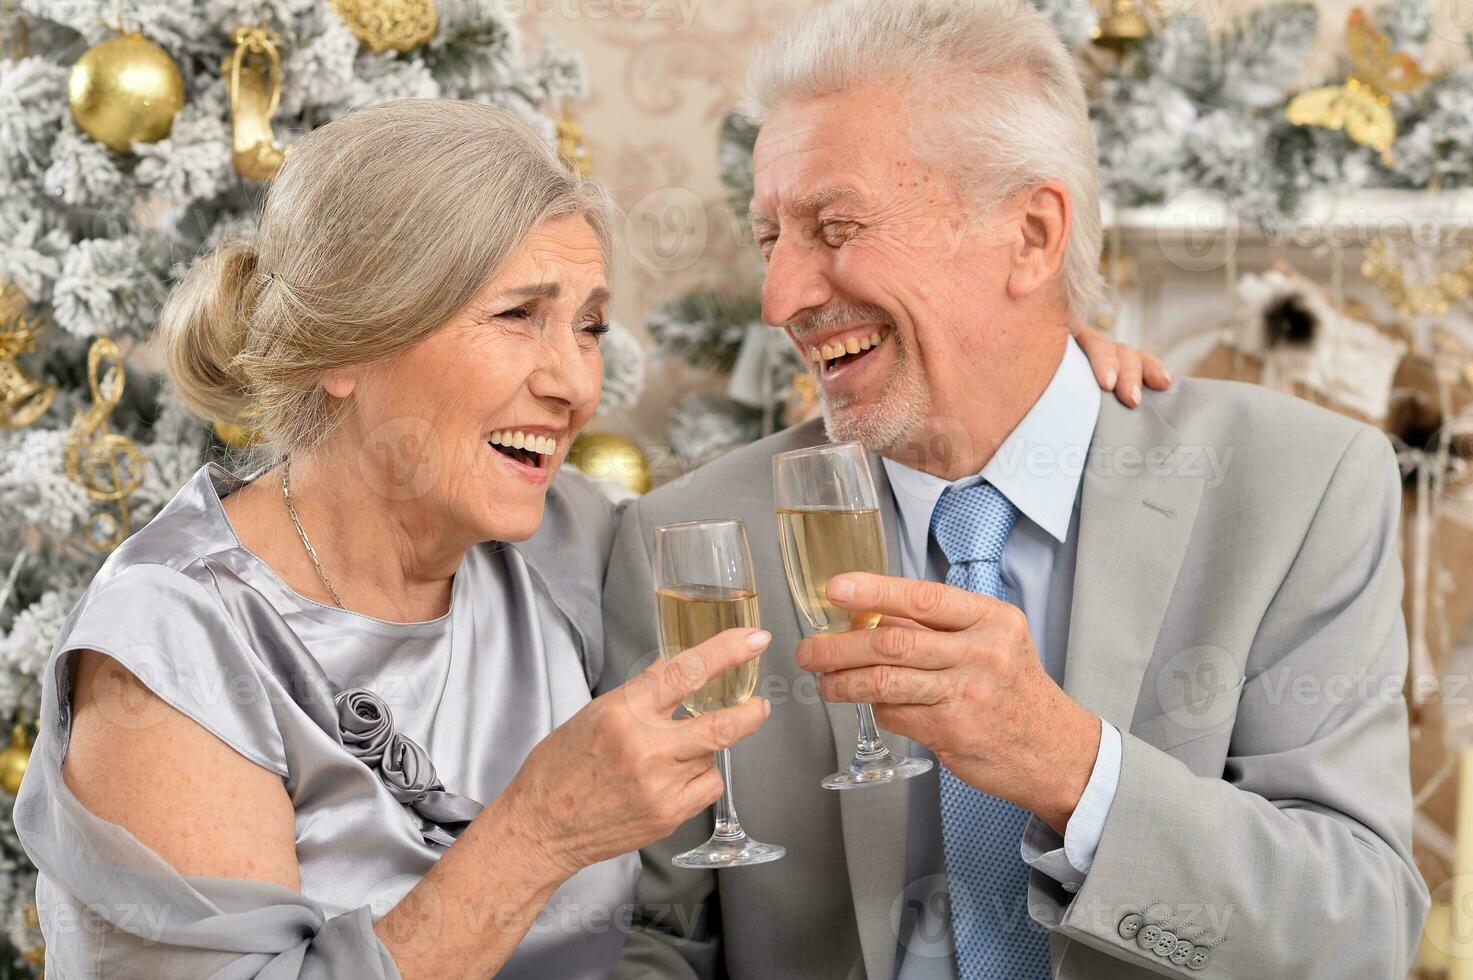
(515, 439)
(853, 345)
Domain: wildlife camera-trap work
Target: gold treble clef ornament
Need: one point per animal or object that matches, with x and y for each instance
(109, 466)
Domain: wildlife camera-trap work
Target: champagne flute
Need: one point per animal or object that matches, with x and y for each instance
(704, 584)
(828, 515)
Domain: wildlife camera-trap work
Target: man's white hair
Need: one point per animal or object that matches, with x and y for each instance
(998, 99)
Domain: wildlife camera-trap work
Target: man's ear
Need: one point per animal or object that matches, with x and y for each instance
(339, 382)
(1045, 214)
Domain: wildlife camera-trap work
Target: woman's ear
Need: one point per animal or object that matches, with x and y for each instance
(339, 383)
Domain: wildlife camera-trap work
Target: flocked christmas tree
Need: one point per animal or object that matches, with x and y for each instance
(101, 210)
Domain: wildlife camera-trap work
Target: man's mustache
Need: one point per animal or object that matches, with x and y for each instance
(836, 316)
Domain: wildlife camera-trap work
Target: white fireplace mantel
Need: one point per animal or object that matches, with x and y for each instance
(1175, 264)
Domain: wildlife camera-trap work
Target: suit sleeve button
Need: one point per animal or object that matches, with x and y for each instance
(1130, 925)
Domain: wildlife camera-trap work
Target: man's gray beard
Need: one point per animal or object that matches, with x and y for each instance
(903, 407)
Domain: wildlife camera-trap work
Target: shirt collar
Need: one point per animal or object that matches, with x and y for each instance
(1038, 466)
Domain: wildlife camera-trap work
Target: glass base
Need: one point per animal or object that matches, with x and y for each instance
(734, 853)
(883, 768)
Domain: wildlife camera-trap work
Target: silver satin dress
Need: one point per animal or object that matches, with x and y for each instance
(213, 631)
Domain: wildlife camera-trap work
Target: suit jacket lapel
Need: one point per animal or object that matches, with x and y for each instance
(1136, 514)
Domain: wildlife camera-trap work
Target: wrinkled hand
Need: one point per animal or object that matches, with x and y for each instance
(957, 672)
(622, 772)
(1119, 367)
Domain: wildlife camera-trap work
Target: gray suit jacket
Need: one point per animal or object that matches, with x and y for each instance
(1236, 614)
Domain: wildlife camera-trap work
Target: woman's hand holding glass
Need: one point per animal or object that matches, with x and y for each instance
(622, 772)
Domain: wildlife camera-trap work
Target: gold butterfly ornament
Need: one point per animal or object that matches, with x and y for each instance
(1361, 105)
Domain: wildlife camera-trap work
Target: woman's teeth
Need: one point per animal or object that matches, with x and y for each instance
(514, 439)
(853, 345)
(532, 446)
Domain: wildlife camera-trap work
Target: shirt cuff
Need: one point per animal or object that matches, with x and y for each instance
(1067, 860)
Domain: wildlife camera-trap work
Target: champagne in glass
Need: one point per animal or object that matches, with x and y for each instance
(821, 543)
(828, 514)
(704, 583)
(692, 614)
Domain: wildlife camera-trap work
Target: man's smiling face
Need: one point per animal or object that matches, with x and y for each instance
(874, 267)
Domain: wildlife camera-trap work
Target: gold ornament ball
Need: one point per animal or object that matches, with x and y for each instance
(611, 457)
(379, 25)
(124, 89)
(14, 758)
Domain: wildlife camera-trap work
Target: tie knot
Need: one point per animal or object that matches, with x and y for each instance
(971, 524)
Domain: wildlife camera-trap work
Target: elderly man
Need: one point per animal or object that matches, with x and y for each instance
(1157, 652)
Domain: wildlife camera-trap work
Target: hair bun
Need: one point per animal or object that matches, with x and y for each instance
(205, 325)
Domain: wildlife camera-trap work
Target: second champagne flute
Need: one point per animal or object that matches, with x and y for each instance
(704, 584)
(828, 515)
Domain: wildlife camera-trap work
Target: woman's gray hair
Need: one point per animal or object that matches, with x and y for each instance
(998, 100)
(378, 228)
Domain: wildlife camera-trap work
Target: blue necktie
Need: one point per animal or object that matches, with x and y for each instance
(993, 936)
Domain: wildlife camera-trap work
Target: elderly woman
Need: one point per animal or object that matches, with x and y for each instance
(331, 720)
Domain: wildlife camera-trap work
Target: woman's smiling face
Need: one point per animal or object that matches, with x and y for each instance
(467, 427)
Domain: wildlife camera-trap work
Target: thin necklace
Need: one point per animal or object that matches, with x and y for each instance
(286, 494)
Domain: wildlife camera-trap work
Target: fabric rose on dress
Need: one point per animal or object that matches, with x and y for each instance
(407, 770)
(366, 726)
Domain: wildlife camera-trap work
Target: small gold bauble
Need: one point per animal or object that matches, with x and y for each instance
(383, 24)
(611, 457)
(1121, 26)
(14, 758)
(236, 436)
(125, 89)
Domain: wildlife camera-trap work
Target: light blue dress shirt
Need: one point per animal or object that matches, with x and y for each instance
(1039, 468)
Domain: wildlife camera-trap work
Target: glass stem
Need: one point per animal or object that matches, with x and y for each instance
(870, 745)
(728, 827)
